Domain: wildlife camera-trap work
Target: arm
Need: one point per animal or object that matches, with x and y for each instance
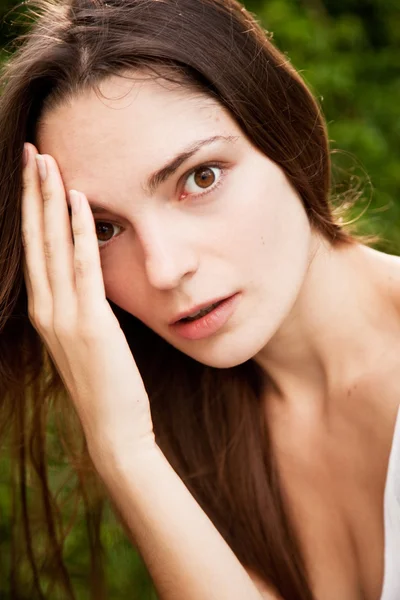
(185, 554)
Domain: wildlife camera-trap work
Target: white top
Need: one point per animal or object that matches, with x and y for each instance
(391, 579)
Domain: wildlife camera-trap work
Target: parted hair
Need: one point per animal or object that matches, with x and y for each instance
(208, 422)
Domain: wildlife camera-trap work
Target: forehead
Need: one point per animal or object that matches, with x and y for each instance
(144, 119)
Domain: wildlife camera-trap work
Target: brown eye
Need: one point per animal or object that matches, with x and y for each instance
(204, 177)
(105, 231)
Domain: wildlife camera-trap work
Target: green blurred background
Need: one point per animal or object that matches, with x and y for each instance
(348, 52)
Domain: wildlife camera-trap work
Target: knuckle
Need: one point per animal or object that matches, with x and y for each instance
(25, 238)
(46, 195)
(83, 266)
(29, 236)
(26, 181)
(48, 247)
(78, 230)
(41, 320)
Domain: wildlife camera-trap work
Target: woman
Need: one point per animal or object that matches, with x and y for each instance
(183, 166)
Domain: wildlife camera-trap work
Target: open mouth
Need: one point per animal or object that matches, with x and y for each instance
(201, 313)
(207, 321)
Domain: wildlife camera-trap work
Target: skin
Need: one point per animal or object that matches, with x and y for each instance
(323, 322)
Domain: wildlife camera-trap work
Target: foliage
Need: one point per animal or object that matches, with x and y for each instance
(348, 52)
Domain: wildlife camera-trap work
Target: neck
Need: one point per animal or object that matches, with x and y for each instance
(343, 323)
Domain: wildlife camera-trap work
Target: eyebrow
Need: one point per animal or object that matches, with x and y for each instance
(158, 177)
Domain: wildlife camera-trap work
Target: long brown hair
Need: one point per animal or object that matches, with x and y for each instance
(208, 422)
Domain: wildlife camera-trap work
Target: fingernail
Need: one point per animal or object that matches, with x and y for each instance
(25, 156)
(41, 164)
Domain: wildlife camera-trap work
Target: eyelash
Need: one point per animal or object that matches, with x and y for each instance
(214, 165)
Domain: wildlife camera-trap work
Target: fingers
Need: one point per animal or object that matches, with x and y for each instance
(57, 241)
(38, 287)
(88, 274)
(63, 274)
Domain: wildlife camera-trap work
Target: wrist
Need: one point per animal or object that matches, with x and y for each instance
(111, 461)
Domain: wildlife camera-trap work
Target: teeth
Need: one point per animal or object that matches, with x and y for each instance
(202, 312)
(193, 315)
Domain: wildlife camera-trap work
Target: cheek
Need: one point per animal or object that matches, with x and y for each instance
(274, 246)
(270, 229)
(123, 283)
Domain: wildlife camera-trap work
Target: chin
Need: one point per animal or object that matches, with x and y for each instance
(222, 353)
(225, 362)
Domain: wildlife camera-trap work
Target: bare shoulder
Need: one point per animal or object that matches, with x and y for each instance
(386, 269)
(394, 277)
(267, 593)
(392, 273)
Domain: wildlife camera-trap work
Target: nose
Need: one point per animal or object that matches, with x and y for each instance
(169, 256)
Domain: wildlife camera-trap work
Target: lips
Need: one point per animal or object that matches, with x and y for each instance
(196, 309)
(201, 313)
(208, 325)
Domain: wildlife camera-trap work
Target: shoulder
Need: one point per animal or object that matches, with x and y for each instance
(385, 269)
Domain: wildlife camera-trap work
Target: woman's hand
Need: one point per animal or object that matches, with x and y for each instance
(68, 308)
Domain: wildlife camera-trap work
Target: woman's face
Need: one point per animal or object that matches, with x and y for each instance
(225, 221)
